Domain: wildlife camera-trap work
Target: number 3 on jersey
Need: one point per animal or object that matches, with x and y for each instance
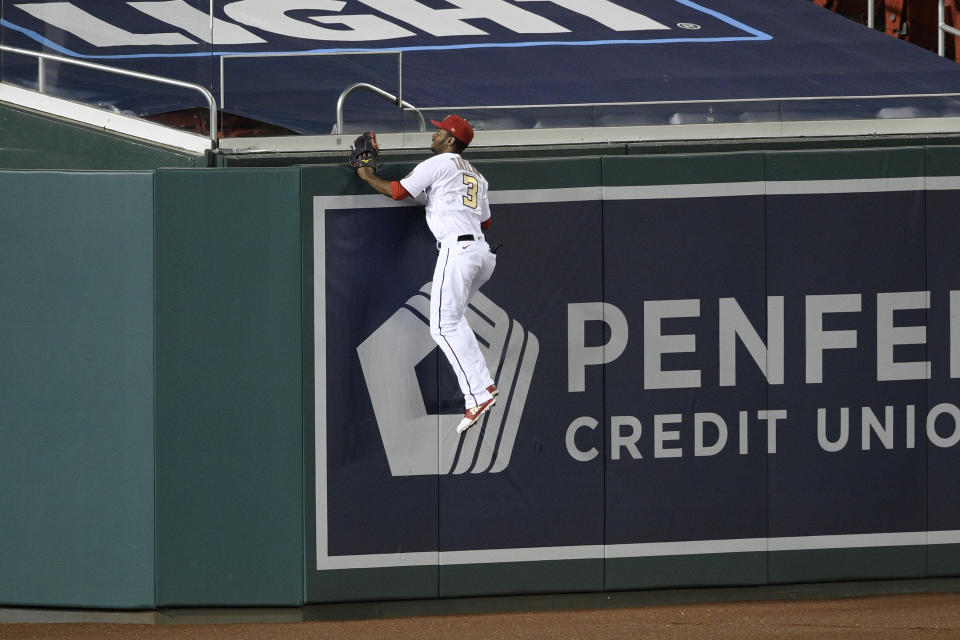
(470, 199)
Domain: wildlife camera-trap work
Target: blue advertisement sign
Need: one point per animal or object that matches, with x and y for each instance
(942, 267)
(676, 395)
(392, 403)
(685, 369)
(105, 30)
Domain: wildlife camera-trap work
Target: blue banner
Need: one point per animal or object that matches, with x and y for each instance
(769, 366)
(392, 402)
(286, 63)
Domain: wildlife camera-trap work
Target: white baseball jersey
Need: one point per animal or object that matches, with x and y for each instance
(456, 194)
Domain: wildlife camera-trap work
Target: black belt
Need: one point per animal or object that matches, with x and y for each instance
(467, 237)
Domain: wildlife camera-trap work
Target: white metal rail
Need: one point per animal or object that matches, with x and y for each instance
(377, 92)
(889, 96)
(943, 28)
(395, 99)
(41, 81)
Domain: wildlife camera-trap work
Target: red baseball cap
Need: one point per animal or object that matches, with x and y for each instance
(457, 127)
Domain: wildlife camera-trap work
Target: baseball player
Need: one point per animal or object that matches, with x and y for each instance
(458, 211)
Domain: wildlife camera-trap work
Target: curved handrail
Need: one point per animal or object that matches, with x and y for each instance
(943, 29)
(211, 102)
(377, 91)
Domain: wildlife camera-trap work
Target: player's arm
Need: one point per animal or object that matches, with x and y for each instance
(391, 189)
(486, 217)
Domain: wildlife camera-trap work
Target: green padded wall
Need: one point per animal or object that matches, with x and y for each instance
(229, 449)
(76, 406)
(30, 140)
(156, 443)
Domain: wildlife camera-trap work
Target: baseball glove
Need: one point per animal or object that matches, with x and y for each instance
(364, 151)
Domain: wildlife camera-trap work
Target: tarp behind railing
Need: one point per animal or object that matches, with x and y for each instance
(287, 62)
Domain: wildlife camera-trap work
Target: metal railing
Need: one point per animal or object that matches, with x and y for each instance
(777, 103)
(780, 109)
(41, 80)
(943, 28)
(379, 93)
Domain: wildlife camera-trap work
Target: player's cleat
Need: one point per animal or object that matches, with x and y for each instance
(472, 415)
(493, 390)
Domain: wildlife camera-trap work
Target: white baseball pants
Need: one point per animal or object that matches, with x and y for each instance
(462, 268)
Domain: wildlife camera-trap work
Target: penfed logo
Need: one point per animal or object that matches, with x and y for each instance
(421, 443)
(178, 27)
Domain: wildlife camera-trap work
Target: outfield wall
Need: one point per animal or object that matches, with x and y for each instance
(716, 369)
(31, 140)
